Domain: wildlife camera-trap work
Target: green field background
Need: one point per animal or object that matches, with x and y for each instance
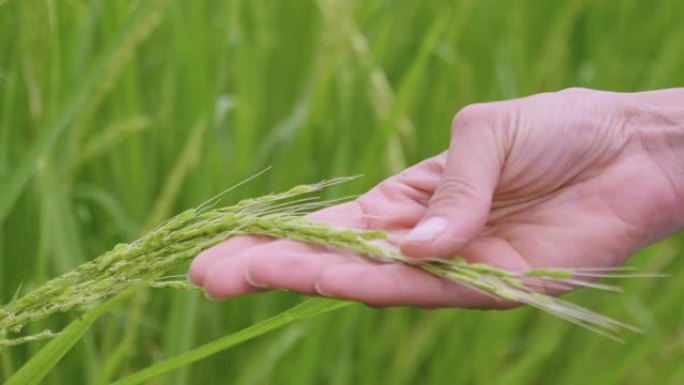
(115, 115)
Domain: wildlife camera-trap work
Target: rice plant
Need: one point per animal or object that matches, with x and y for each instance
(117, 115)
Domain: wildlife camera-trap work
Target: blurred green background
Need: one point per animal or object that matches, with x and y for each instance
(114, 115)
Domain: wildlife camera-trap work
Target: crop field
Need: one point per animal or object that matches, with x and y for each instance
(117, 115)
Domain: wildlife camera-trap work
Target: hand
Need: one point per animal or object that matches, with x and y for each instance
(572, 179)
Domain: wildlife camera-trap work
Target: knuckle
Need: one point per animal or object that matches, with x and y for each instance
(258, 269)
(493, 115)
(451, 188)
(323, 287)
(470, 115)
(575, 91)
(272, 268)
(286, 264)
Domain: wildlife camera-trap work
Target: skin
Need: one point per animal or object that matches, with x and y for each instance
(576, 178)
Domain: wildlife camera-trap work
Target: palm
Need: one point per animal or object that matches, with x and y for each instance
(597, 220)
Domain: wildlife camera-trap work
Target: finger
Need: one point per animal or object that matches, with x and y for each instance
(400, 201)
(227, 277)
(295, 271)
(348, 214)
(199, 266)
(398, 285)
(459, 208)
(401, 285)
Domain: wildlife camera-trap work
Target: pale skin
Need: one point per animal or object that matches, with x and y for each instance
(572, 179)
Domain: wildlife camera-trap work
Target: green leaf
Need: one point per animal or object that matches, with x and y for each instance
(307, 309)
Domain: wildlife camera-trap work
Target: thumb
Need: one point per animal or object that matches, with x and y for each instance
(460, 206)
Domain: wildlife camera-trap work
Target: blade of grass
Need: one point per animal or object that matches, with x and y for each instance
(16, 181)
(128, 343)
(179, 338)
(307, 309)
(263, 361)
(111, 136)
(186, 162)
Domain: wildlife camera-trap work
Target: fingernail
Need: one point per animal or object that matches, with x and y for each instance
(427, 231)
(251, 282)
(209, 297)
(320, 291)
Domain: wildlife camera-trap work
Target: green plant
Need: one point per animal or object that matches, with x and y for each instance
(318, 88)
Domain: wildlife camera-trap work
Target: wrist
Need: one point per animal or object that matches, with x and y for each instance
(657, 119)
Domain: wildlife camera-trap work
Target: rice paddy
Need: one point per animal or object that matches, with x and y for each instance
(115, 116)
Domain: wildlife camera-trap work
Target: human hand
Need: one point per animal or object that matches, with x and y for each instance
(572, 179)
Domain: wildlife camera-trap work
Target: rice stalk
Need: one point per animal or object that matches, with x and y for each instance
(181, 238)
(111, 136)
(94, 85)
